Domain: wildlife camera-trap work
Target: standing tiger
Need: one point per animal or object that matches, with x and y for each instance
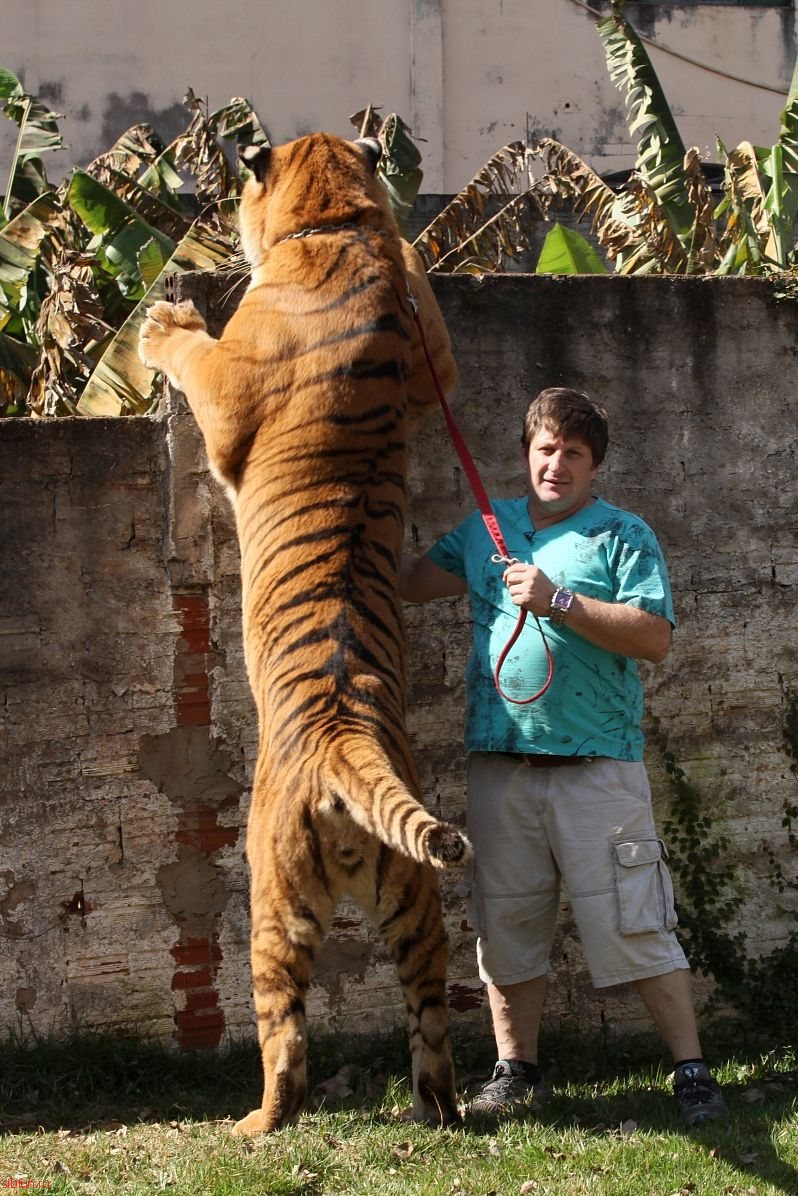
(305, 404)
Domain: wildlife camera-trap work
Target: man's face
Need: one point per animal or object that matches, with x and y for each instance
(559, 474)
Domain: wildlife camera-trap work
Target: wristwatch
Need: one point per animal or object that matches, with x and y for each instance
(560, 605)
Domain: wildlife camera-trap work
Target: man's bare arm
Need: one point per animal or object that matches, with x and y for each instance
(421, 580)
(614, 626)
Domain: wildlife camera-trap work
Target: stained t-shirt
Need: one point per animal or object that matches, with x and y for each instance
(594, 705)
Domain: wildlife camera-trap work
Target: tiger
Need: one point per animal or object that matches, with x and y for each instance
(305, 404)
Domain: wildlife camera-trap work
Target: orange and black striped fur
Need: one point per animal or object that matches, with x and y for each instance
(305, 404)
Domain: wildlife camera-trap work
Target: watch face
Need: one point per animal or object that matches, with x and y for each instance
(562, 599)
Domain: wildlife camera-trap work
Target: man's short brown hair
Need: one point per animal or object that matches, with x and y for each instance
(571, 414)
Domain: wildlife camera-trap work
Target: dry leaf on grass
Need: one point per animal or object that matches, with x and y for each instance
(301, 1173)
(402, 1150)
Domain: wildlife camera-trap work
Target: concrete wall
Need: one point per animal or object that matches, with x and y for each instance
(128, 733)
(468, 75)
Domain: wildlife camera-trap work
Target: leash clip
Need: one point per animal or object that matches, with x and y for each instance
(498, 559)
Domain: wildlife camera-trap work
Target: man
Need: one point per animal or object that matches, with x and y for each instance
(557, 787)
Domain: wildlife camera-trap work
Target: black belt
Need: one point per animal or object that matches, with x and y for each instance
(539, 760)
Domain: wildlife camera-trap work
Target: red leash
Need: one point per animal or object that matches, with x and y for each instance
(502, 555)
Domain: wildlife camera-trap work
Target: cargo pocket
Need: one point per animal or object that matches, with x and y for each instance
(644, 886)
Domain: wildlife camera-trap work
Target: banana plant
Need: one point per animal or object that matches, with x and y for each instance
(38, 134)
(496, 216)
(120, 384)
(79, 263)
(665, 220)
(660, 150)
(761, 201)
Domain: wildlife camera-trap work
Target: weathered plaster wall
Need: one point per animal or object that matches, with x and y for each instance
(468, 75)
(128, 733)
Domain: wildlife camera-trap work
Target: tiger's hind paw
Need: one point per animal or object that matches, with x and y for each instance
(446, 845)
(257, 1122)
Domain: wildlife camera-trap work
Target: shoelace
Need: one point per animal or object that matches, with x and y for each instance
(695, 1092)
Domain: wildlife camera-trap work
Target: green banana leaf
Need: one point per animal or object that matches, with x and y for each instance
(238, 122)
(21, 242)
(120, 232)
(121, 384)
(38, 133)
(399, 168)
(566, 251)
(162, 179)
(780, 166)
(151, 262)
(660, 150)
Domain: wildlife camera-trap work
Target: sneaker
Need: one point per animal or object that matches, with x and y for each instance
(507, 1092)
(698, 1096)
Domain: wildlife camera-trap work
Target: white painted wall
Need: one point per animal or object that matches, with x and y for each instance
(469, 74)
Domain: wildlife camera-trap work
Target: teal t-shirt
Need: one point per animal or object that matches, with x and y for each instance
(594, 705)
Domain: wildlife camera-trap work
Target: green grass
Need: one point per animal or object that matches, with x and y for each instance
(100, 1115)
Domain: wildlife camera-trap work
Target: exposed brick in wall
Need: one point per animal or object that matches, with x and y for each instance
(127, 732)
(192, 697)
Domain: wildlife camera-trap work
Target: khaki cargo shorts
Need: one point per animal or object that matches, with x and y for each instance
(589, 824)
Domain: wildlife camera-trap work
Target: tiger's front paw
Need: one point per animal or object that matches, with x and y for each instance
(161, 321)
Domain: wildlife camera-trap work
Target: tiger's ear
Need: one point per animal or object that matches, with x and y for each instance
(371, 150)
(256, 158)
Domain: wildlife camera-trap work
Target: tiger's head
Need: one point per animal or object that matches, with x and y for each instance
(312, 182)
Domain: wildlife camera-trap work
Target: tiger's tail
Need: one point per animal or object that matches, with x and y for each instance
(362, 777)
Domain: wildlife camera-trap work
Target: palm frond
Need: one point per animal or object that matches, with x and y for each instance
(506, 234)
(38, 134)
(464, 216)
(198, 150)
(71, 331)
(703, 254)
(660, 151)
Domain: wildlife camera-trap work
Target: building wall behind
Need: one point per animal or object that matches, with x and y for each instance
(467, 75)
(127, 732)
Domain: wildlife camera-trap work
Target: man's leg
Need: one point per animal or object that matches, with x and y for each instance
(514, 905)
(605, 841)
(516, 1086)
(669, 1000)
(516, 1010)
